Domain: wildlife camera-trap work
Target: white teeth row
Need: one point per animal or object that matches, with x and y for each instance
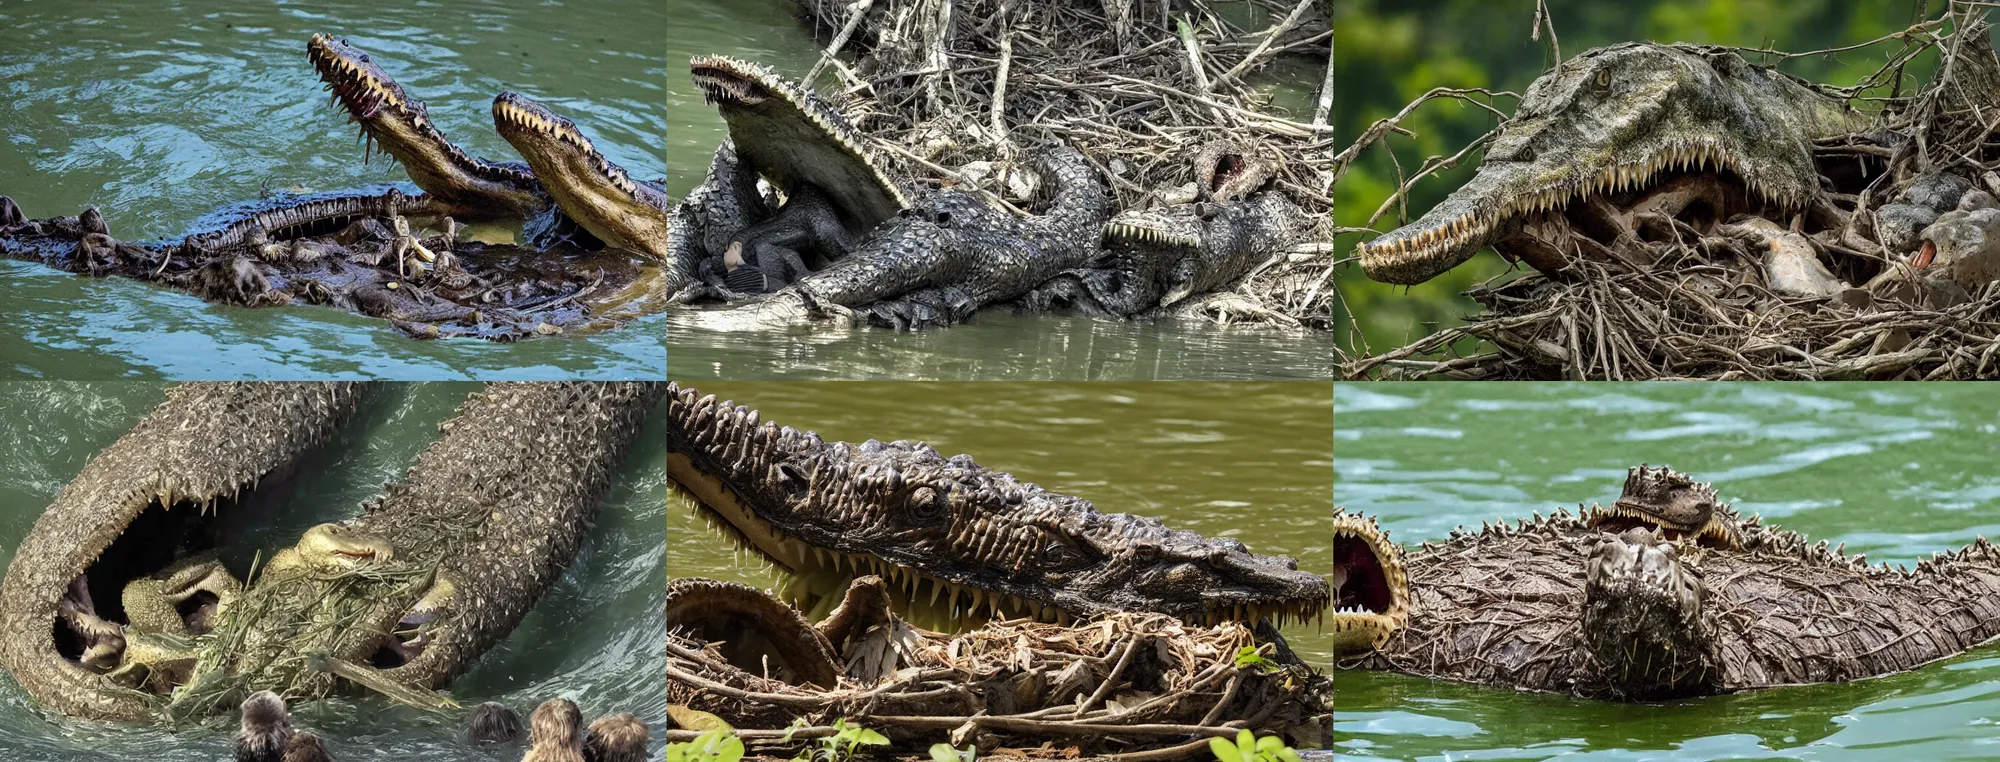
(770, 81)
(1125, 231)
(1692, 156)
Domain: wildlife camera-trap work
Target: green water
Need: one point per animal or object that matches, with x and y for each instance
(595, 638)
(1896, 472)
(160, 112)
(1243, 460)
(990, 347)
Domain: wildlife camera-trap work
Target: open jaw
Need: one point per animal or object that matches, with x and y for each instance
(1630, 144)
(961, 543)
(468, 187)
(1671, 503)
(792, 138)
(592, 190)
(1371, 588)
(178, 487)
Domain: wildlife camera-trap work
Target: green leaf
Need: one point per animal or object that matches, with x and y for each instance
(870, 737)
(1246, 744)
(1224, 750)
(944, 752)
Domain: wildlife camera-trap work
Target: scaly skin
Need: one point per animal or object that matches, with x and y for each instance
(344, 250)
(964, 538)
(590, 189)
(206, 445)
(785, 133)
(328, 548)
(1607, 606)
(1609, 124)
(705, 220)
(1156, 258)
(483, 524)
(948, 256)
(462, 186)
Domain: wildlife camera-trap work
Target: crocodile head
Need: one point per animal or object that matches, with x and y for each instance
(330, 548)
(206, 462)
(792, 138)
(592, 190)
(1671, 502)
(1371, 589)
(1611, 125)
(1642, 616)
(954, 536)
(467, 186)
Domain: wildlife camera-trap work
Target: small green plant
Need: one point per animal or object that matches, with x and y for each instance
(1250, 748)
(944, 752)
(719, 745)
(841, 746)
(1248, 657)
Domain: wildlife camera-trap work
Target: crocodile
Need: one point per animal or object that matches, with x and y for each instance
(1687, 132)
(1155, 259)
(959, 540)
(479, 529)
(947, 256)
(460, 184)
(1695, 600)
(592, 190)
(206, 455)
(835, 190)
(356, 251)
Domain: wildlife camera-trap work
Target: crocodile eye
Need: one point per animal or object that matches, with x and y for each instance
(1603, 80)
(1527, 153)
(941, 218)
(1218, 559)
(1145, 552)
(1057, 554)
(928, 505)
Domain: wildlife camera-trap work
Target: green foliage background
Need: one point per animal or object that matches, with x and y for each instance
(1389, 52)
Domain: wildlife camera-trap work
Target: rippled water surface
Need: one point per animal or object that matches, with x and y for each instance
(596, 638)
(1894, 471)
(160, 112)
(991, 346)
(1243, 460)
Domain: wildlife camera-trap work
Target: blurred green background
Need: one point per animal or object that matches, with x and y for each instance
(1389, 52)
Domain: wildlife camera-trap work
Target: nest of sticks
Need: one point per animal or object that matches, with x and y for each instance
(1696, 305)
(1145, 686)
(955, 90)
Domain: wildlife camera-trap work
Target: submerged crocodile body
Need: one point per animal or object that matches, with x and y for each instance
(366, 250)
(1666, 594)
(1619, 142)
(356, 251)
(957, 538)
(119, 616)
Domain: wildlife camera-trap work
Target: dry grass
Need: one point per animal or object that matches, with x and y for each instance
(1700, 311)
